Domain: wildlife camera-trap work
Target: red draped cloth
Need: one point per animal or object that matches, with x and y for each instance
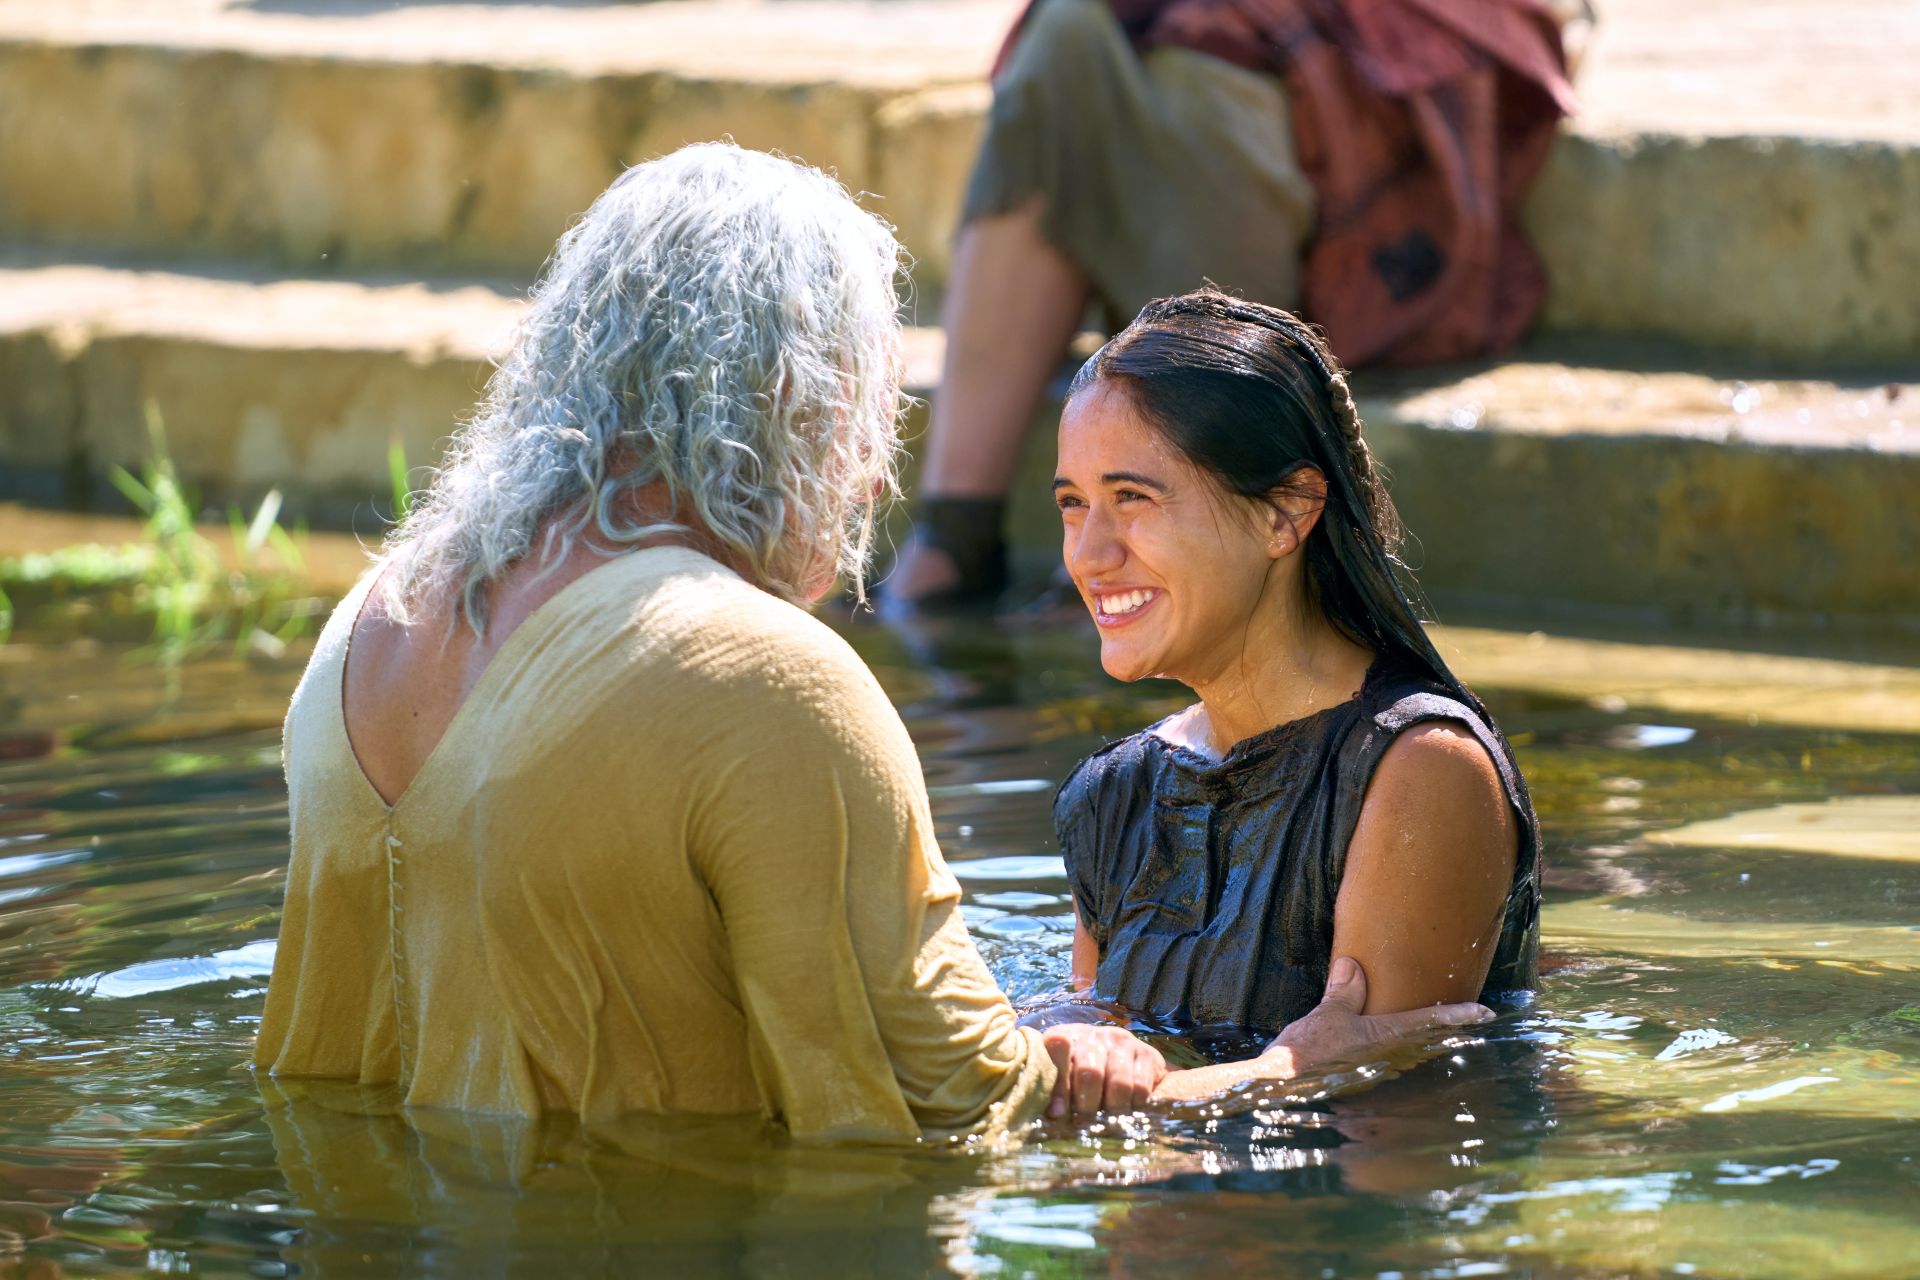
(1421, 124)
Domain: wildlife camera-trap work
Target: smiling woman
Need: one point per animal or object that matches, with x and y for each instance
(1336, 791)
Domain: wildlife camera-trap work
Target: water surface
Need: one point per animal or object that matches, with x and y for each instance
(1721, 1075)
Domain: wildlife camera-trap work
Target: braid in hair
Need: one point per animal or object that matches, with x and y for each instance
(1373, 509)
(1373, 503)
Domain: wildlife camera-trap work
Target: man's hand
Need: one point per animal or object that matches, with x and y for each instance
(1333, 1033)
(1100, 1068)
(1336, 1033)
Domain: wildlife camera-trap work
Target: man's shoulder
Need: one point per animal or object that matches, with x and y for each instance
(755, 667)
(715, 618)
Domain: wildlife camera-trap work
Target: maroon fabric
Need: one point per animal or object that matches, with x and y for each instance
(1421, 123)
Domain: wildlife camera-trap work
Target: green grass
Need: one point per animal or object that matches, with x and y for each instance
(399, 475)
(175, 583)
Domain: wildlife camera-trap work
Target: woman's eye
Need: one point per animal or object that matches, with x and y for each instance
(1128, 495)
(1066, 502)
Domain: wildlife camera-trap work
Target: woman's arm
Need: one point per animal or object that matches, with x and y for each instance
(1107, 1068)
(1086, 957)
(1428, 871)
(1419, 909)
(1065, 1009)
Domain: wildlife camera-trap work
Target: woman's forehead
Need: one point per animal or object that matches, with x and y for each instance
(1103, 421)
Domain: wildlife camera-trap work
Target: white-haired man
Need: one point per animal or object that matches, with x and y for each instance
(587, 814)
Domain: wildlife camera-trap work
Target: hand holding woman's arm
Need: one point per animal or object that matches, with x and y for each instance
(1099, 1064)
(1335, 1033)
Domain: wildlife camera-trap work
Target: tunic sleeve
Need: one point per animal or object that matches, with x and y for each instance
(869, 1011)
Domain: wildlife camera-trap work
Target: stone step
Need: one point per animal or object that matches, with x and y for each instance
(352, 141)
(261, 382)
(1630, 491)
(1746, 173)
(1570, 480)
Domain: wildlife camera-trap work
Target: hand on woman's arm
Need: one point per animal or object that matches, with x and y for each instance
(1335, 1033)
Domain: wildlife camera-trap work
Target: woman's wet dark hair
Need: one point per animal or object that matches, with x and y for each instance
(1251, 394)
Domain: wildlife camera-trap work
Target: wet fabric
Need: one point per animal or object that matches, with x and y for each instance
(1209, 885)
(673, 854)
(1159, 171)
(1421, 125)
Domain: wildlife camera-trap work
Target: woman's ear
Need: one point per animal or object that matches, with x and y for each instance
(1296, 505)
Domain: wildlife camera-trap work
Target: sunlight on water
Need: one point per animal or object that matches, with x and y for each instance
(255, 960)
(1019, 867)
(1720, 1076)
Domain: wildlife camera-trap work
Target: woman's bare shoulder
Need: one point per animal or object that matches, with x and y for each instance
(1438, 762)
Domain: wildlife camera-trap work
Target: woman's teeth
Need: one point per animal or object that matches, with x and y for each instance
(1122, 603)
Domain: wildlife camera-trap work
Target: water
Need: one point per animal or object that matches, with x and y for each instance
(1721, 1075)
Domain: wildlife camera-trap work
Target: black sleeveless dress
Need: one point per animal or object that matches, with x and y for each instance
(1209, 885)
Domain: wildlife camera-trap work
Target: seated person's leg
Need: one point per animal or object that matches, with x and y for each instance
(1104, 177)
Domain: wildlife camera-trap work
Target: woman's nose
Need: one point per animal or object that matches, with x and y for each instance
(1095, 547)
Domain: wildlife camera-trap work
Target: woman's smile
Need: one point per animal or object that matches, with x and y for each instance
(1118, 607)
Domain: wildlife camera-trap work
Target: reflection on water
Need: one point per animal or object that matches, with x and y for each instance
(1720, 1077)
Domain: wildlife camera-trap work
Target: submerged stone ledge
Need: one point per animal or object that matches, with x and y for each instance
(1877, 828)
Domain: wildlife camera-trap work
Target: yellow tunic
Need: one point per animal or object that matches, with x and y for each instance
(674, 853)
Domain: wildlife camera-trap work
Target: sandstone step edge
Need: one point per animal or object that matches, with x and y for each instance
(257, 379)
(1688, 527)
(1684, 497)
(1775, 244)
(315, 165)
(1778, 245)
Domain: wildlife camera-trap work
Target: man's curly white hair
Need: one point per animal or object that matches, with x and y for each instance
(721, 320)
